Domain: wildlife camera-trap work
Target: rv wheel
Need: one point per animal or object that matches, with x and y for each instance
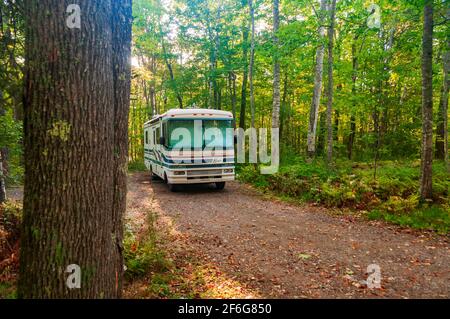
(220, 186)
(153, 176)
(172, 187)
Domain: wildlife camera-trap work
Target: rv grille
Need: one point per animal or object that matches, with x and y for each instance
(205, 172)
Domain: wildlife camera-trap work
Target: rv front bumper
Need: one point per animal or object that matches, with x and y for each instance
(201, 176)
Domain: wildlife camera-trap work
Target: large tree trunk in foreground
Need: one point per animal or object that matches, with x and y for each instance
(76, 105)
(426, 186)
(314, 112)
(122, 20)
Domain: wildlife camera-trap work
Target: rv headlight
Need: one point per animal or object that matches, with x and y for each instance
(228, 171)
(179, 173)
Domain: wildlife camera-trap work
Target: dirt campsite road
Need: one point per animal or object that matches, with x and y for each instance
(279, 250)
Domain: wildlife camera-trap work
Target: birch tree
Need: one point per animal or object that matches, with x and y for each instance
(314, 111)
(330, 89)
(252, 61)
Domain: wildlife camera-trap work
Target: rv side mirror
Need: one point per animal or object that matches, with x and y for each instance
(162, 140)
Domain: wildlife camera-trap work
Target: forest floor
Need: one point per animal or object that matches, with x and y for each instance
(240, 244)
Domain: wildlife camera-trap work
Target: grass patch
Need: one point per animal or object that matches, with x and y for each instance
(137, 166)
(8, 290)
(162, 265)
(435, 218)
(143, 255)
(394, 191)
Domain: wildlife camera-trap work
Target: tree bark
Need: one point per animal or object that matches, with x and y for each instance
(352, 134)
(232, 85)
(121, 27)
(276, 67)
(426, 186)
(252, 61)
(245, 33)
(76, 105)
(314, 111)
(3, 162)
(442, 131)
(2, 182)
(330, 89)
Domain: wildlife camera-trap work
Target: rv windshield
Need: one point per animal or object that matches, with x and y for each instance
(188, 134)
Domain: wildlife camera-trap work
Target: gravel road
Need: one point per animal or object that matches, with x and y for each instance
(282, 250)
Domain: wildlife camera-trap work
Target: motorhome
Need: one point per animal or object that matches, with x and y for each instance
(190, 146)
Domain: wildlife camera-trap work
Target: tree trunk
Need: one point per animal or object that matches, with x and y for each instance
(322, 132)
(232, 80)
(252, 61)
(276, 67)
(330, 89)
(170, 69)
(426, 186)
(121, 27)
(352, 134)
(76, 105)
(442, 131)
(245, 33)
(284, 105)
(152, 87)
(314, 112)
(3, 161)
(2, 182)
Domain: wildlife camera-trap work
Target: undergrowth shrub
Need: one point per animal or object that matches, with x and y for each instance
(143, 254)
(137, 166)
(394, 190)
(10, 224)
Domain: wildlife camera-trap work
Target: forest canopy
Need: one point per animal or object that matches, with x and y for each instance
(197, 53)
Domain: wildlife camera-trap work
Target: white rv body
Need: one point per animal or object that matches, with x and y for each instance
(205, 161)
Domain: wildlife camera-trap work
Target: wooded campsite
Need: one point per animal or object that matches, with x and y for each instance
(358, 91)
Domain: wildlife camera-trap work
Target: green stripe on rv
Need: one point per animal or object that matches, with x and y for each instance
(226, 165)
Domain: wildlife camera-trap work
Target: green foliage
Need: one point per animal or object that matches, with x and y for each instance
(137, 166)
(204, 42)
(10, 221)
(143, 255)
(394, 192)
(8, 290)
(435, 218)
(10, 139)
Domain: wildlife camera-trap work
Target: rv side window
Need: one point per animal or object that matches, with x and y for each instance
(146, 137)
(158, 134)
(164, 133)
